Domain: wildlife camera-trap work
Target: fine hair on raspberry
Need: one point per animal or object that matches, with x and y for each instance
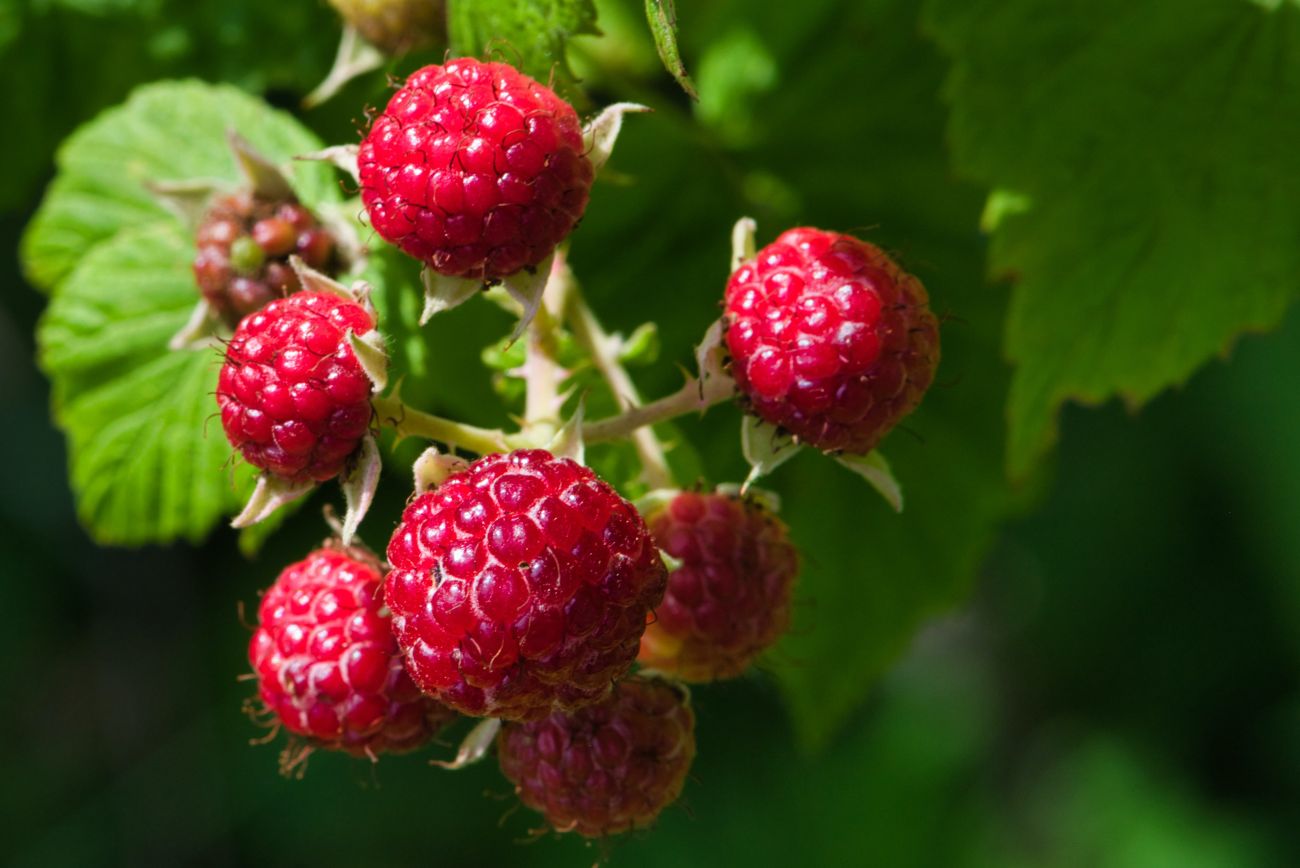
(475, 169)
(328, 668)
(607, 768)
(520, 585)
(729, 599)
(829, 339)
(294, 399)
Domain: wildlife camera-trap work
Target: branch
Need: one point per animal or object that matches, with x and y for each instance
(604, 352)
(410, 422)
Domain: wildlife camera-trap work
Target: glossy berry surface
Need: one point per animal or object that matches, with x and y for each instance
(521, 584)
(730, 598)
(475, 169)
(327, 665)
(396, 26)
(294, 399)
(244, 244)
(607, 768)
(829, 339)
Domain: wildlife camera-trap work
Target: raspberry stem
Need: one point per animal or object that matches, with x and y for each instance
(410, 422)
(542, 371)
(604, 352)
(690, 398)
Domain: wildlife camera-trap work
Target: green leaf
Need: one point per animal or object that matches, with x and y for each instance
(148, 459)
(662, 15)
(1153, 164)
(167, 131)
(530, 34)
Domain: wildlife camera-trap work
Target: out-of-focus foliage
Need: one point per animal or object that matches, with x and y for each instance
(1144, 176)
(1125, 688)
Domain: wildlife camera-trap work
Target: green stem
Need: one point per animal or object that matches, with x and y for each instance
(687, 399)
(604, 355)
(410, 422)
(542, 371)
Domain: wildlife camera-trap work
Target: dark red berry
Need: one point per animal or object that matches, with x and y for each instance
(607, 768)
(475, 169)
(294, 399)
(327, 665)
(244, 244)
(730, 598)
(830, 339)
(521, 584)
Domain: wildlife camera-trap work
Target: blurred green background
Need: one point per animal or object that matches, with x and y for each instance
(1094, 665)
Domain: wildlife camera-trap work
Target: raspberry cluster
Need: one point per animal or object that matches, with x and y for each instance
(294, 399)
(475, 169)
(729, 600)
(830, 340)
(244, 244)
(607, 768)
(327, 665)
(521, 585)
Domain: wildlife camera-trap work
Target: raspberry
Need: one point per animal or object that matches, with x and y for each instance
(294, 399)
(396, 26)
(327, 665)
(829, 339)
(475, 169)
(607, 768)
(730, 598)
(244, 244)
(521, 584)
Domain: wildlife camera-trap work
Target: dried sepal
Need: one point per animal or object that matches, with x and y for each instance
(568, 442)
(373, 357)
(477, 742)
(200, 332)
(875, 469)
(188, 200)
(269, 494)
(340, 156)
(602, 131)
(528, 288)
(742, 241)
(263, 176)
(359, 483)
(354, 57)
(433, 467)
(442, 293)
(765, 448)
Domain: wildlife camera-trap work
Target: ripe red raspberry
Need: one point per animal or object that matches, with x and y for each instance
(294, 399)
(327, 665)
(607, 768)
(730, 598)
(521, 584)
(244, 244)
(475, 169)
(829, 339)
